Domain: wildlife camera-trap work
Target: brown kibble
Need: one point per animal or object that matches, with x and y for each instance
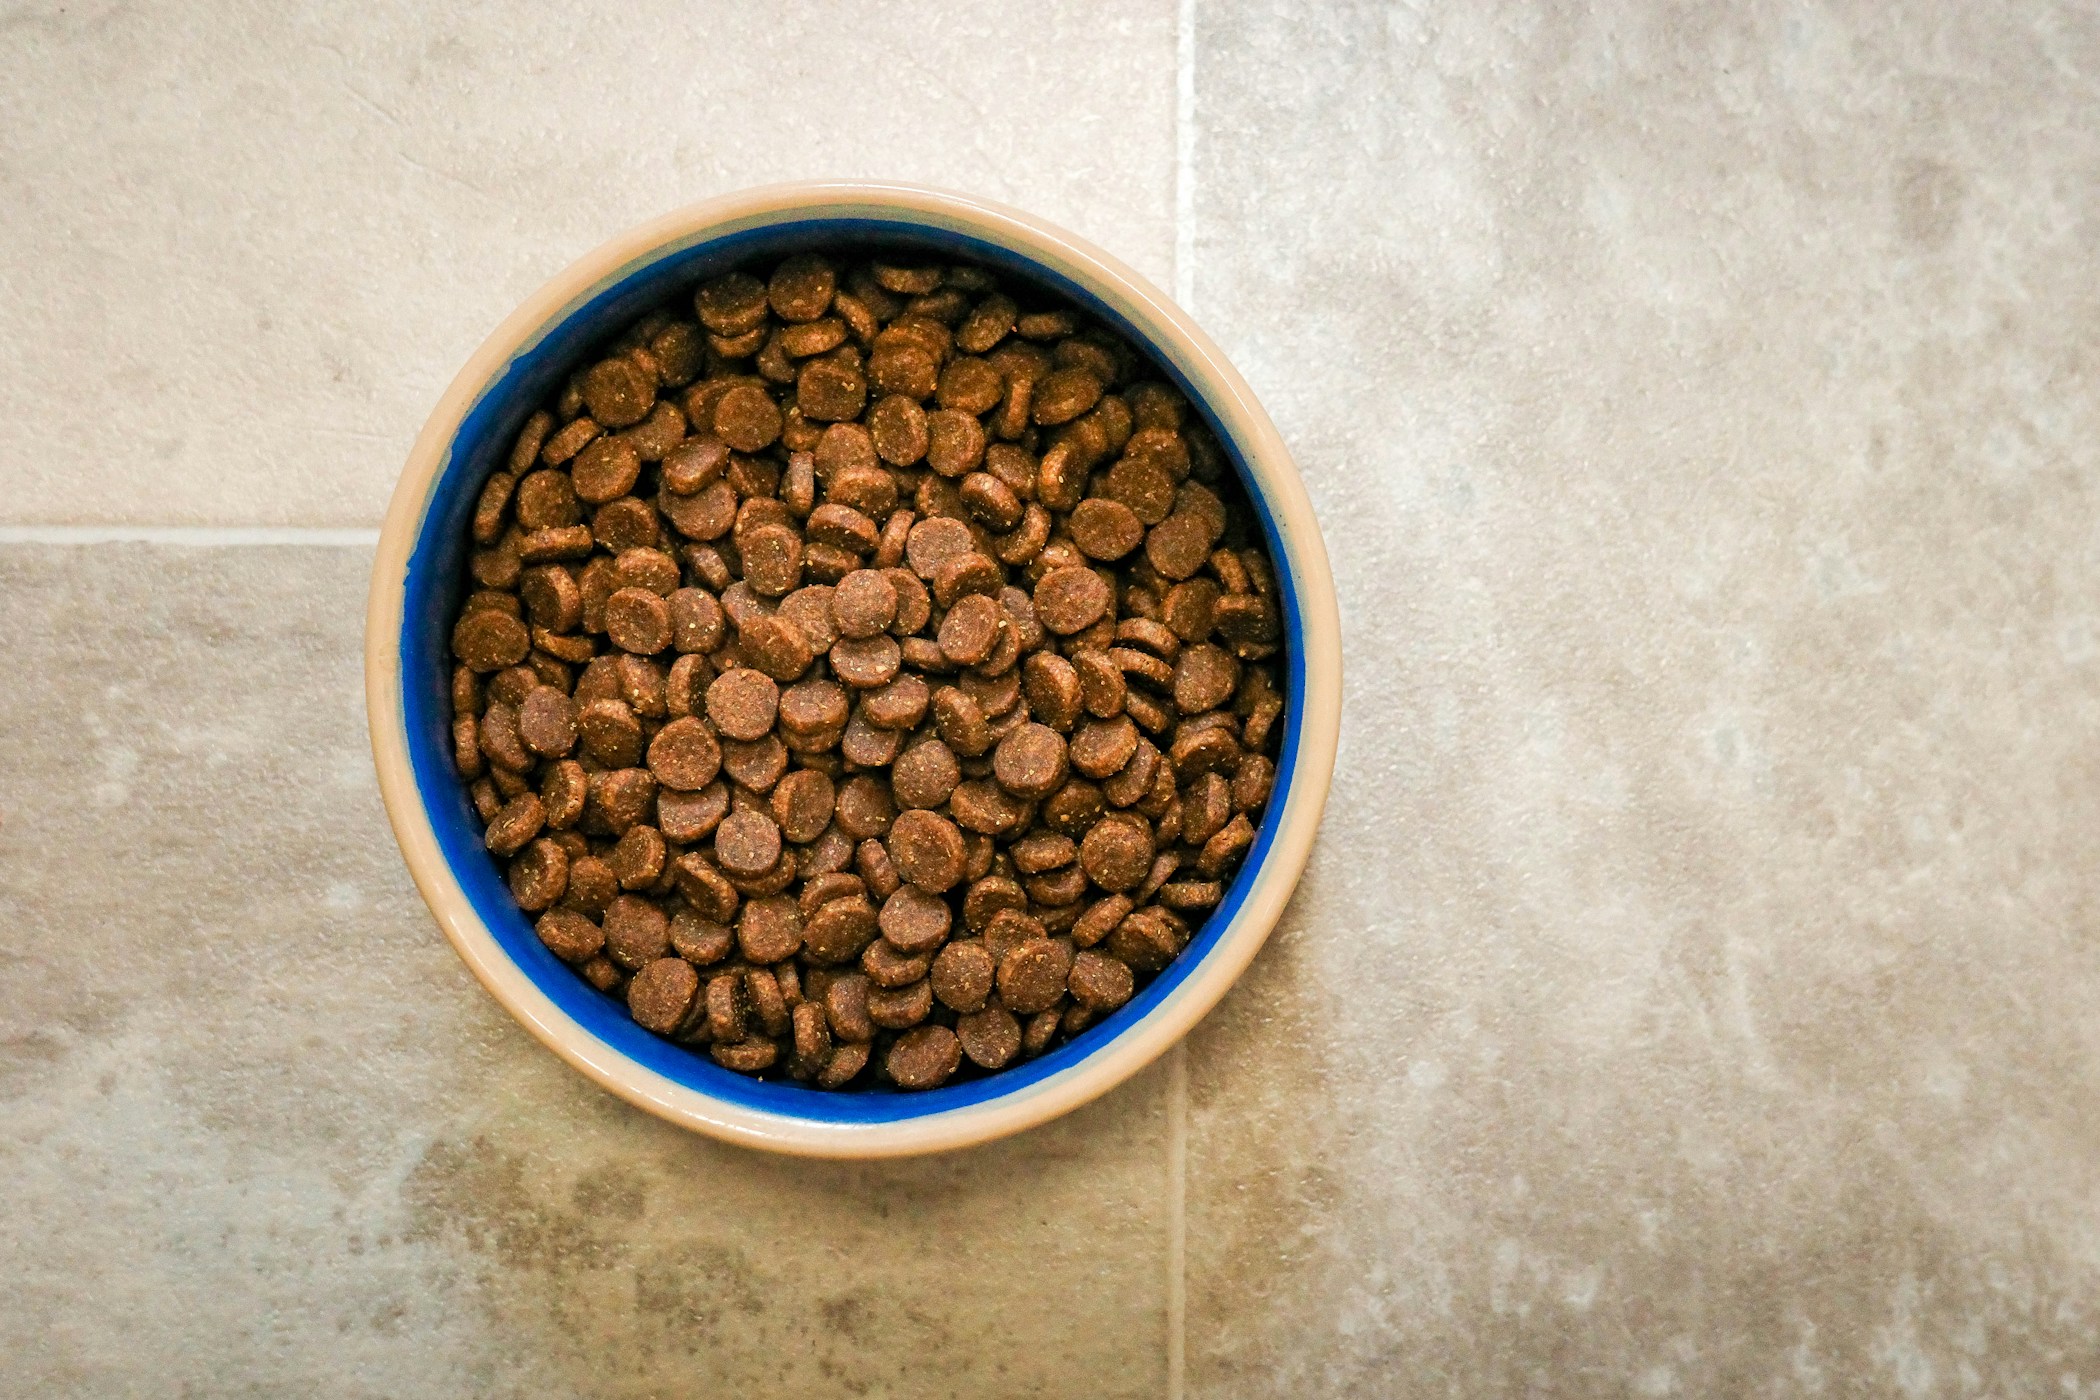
(488, 640)
(1099, 982)
(1070, 599)
(1032, 976)
(971, 628)
(898, 1008)
(962, 975)
(927, 850)
(743, 703)
(1117, 853)
(770, 929)
(747, 843)
(991, 1037)
(547, 722)
(569, 935)
(636, 931)
(803, 803)
(662, 993)
(1030, 761)
(612, 736)
(840, 930)
(1107, 530)
(923, 1058)
(617, 392)
(802, 287)
(911, 604)
(914, 921)
(864, 603)
(638, 621)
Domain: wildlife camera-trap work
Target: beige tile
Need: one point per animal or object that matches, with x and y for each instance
(266, 1137)
(248, 246)
(1695, 989)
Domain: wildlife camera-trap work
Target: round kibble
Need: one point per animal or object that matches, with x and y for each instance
(662, 993)
(962, 975)
(488, 640)
(925, 774)
(803, 803)
(570, 936)
(605, 471)
(923, 1058)
(611, 734)
(770, 929)
(1107, 530)
(864, 603)
(747, 843)
(747, 418)
(636, 931)
(547, 722)
(1069, 600)
(914, 921)
(1204, 678)
(775, 646)
(684, 755)
(617, 392)
(743, 703)
(840, 930)
(971, 628)
(866, 662)
(638, 621)
(991, 1037)
(1117, 853)
(772, 560)
(1032, 976)
(802, 287)
(1030, 761)
(1099, 982)
(927, 849)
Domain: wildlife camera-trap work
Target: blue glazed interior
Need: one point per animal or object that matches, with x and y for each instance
(435, 574)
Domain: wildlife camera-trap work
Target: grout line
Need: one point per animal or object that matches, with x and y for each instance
(1177, 1220)
(1177, 1058)
(1185, 153)
(189, 536)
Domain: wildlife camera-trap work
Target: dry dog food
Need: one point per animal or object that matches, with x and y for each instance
(870, 677)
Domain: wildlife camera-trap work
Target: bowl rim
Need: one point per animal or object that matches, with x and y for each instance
(1261, 452)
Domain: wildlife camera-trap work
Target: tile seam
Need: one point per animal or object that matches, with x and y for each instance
(191, 536)
(1177, 1064)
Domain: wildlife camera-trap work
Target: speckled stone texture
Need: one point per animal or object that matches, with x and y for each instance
(265, 1137)
(1694, 991)
(264, 238)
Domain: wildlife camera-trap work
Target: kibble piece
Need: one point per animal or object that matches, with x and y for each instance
(971, 628)
(1102, 747)
(636, 931)
(840, 930)
(923, 1058)
(612, 736)
(488, 640)
(1069, 600)
(747, 843)
(617, 393)
(1099, 982)
(803, 803)
(802, 287)
(1032, 976)
(770, 929)
(662, 993)
(889, 968)
(731, 304)
(538, 875)
(991, 1037)
(700, 941)
(1030, 761)
(517, 823)
(865, 808)
(927, 849)
(914, 921)
(605, 471)
(772, 560)
(1065, 394)
(684, 755)
(638, 621)
(925, 775)
(962, 975)
(756, 765)
(563, 791)
(899, 1008)
(1205, 677)
(743, 703)
(1117, 853)
(569, 935)
(547, 722)
(1107, 530)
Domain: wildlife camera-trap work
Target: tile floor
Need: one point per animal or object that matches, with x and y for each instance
(1694, 988)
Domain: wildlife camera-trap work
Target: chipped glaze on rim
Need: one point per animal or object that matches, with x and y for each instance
(415, 579)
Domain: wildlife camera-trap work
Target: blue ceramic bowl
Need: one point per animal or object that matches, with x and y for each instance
(416, 584)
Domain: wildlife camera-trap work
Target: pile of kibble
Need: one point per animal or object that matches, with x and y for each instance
(872, 676)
